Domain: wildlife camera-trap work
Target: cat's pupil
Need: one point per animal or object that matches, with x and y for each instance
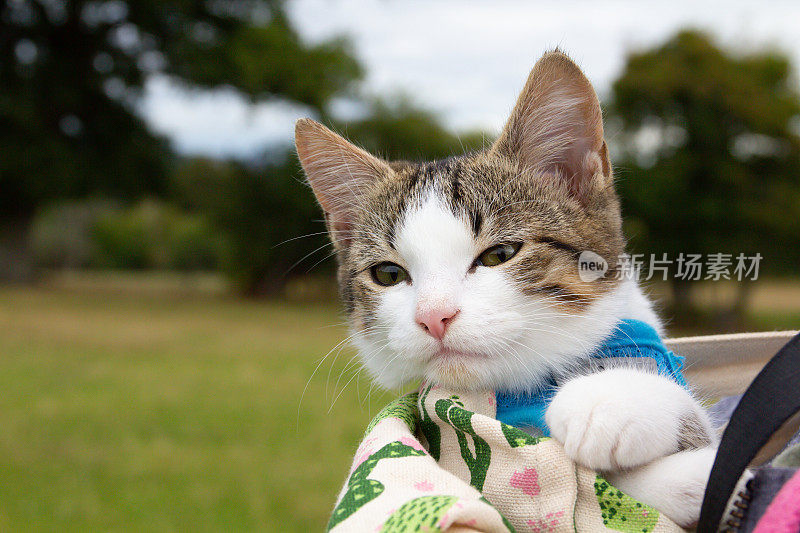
(387, 274)
(497, 254)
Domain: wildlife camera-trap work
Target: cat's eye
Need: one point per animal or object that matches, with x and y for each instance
(388, 274)
(497, 254)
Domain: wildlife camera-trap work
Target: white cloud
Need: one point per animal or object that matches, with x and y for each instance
(216, 123)
(465, 59)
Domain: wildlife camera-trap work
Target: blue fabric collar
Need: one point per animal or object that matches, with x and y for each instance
(630, 338)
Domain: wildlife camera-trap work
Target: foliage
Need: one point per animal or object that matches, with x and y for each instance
(711, 163)
(99, 233)
(62, 234)
(397, 128)
(725, 148)
(71, 71)
(154, 235)
(267, 215)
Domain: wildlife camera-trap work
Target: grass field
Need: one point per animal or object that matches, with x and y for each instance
(141, 407)
(163, 405)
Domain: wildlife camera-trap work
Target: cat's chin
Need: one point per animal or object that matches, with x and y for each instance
(455, 378)
(458, 371)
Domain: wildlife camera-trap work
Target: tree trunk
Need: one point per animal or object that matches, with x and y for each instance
(682, 305)
(263, 284)
(742, 299)
(685, 313)
(734, 318)
(16, 257)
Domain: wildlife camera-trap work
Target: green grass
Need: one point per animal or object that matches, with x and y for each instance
(137, 409)
(156, 403)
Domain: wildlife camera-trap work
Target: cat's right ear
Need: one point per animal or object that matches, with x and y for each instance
(339, 173)
(556, 127)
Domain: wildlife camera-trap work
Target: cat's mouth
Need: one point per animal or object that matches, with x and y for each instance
(445, 354)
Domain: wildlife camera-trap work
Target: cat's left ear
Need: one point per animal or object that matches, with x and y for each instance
(339, 172)
(556, 127)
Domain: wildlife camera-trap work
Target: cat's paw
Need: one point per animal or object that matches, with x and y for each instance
(622, 418)
(675, 484)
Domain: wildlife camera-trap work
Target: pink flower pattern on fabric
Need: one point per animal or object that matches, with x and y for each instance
(527, 481)
(423, 486)
(364, 451)
(549, 523)
(414, 443)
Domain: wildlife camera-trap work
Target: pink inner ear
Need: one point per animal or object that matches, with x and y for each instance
(566, 136)
(591, 164)
(340, 225)
(570, 158)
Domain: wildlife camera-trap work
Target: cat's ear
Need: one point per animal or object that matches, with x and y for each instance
(556, 126)
(339, 173)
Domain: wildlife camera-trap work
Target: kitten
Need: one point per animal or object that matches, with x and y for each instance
(464, 272)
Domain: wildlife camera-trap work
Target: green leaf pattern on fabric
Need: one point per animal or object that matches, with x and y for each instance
(404, 408)
(360, 489)
(517, 438)
(453, 412)
(429, 428)
(419, 514)
(621, 512)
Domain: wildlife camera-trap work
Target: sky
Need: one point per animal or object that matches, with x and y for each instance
(464, 59)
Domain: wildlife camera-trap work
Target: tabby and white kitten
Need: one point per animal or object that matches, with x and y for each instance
(464, 272)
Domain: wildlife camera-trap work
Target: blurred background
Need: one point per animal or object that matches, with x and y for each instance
(170, 353)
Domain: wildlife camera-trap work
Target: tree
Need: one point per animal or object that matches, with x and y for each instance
(71, 72)
(271, 222)
(398, 128)
(268, 217)
(710, 161)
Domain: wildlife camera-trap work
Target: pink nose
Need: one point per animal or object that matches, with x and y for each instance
(435, 321)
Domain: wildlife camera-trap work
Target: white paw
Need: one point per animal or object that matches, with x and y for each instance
(618, 418)
(674, 485)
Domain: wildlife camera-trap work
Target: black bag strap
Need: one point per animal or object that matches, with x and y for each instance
(770, 400)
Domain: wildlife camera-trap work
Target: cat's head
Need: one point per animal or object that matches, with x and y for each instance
(465, 271)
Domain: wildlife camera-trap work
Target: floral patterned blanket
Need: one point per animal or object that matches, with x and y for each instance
(439, 461)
